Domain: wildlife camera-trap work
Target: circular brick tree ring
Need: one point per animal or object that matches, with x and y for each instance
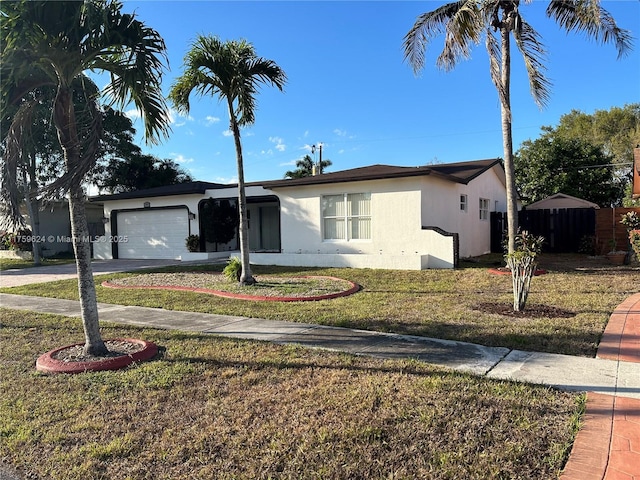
(350, 290)
(48, 363)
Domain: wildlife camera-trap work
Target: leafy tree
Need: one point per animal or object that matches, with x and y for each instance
(141, 171)
(616, 130)
(232, 71)
(305, 167)
(553, 164)
(52, 43)
(463, 24)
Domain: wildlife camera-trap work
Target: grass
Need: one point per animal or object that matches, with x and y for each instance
(432, 303)
(10, 263)
(211, 407)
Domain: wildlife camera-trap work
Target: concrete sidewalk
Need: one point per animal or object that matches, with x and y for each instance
(607, 446)
(604, 376)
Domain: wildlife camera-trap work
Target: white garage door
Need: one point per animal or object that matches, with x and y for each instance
(153, 233)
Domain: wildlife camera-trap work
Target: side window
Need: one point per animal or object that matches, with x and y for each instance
(484, 209)
(463, 203)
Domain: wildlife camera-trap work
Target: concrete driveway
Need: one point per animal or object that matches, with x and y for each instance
(49, 273)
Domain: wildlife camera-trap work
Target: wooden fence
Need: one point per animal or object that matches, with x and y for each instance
(567, 229)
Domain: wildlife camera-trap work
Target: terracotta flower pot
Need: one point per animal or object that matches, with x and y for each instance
(617, 258)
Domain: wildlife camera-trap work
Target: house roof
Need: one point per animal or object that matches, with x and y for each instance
(461, 172)
(562, 199)
(164, 191)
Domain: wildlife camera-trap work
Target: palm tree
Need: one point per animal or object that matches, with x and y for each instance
(233, 71)
(305, 167)
(465, 21)
(53, 43)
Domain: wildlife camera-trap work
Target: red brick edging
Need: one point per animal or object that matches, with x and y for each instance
(240, 296)
(46, 363)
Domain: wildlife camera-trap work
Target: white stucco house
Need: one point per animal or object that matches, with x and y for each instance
(378, 216)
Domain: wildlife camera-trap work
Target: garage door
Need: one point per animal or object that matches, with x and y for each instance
(153, 233)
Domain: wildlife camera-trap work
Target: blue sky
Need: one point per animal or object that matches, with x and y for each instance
(350, 89)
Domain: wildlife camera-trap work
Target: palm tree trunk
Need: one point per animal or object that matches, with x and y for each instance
(246, 278)
(64, 117)
(507, 141)
(33, 209)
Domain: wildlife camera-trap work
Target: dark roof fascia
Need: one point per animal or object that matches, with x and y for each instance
(339, 177)
(190, 188)
(386, 172)
(492, 163)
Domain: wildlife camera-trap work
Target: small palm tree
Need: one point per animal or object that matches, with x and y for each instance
(463, 24)
(233, 71)
(53, 43)
(305, 167)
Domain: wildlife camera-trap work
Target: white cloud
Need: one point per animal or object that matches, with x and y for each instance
(280, 146)
(178, 120)
(340, 133)
(210, 120)
(227, 133)
(133, 114)
(181, 159)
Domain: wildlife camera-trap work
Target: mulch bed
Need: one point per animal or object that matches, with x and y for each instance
(531, 311)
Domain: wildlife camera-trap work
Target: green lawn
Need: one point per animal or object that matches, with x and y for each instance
(9, 263)
(216, 408)
(568, 307)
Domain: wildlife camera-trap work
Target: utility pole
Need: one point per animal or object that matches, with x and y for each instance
(318, 167)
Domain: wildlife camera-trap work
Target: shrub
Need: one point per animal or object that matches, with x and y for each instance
(588, 245)
(193, 243)
(522, 263)
(634, 239)
(233, 270)
(631, 220)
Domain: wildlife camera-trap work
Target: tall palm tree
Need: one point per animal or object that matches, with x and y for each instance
(464, 22)
(234, 72)
(53, 43)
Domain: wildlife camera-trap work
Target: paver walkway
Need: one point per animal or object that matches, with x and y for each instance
(607, 446)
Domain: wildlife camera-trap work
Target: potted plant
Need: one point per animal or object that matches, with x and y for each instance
(616, 256)
(193, 243)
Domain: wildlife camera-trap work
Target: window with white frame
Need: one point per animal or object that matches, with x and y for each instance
(346, 216)
(463, 203)
(484, 209)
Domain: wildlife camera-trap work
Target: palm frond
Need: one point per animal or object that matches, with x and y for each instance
(495, 69)
(463, 31)
(452, 18)
(534, 54)
(589, 17)
(13, 156)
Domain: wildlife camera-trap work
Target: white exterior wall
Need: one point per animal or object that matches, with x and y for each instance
(441, 208)
(162, 246)
(397, 238)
